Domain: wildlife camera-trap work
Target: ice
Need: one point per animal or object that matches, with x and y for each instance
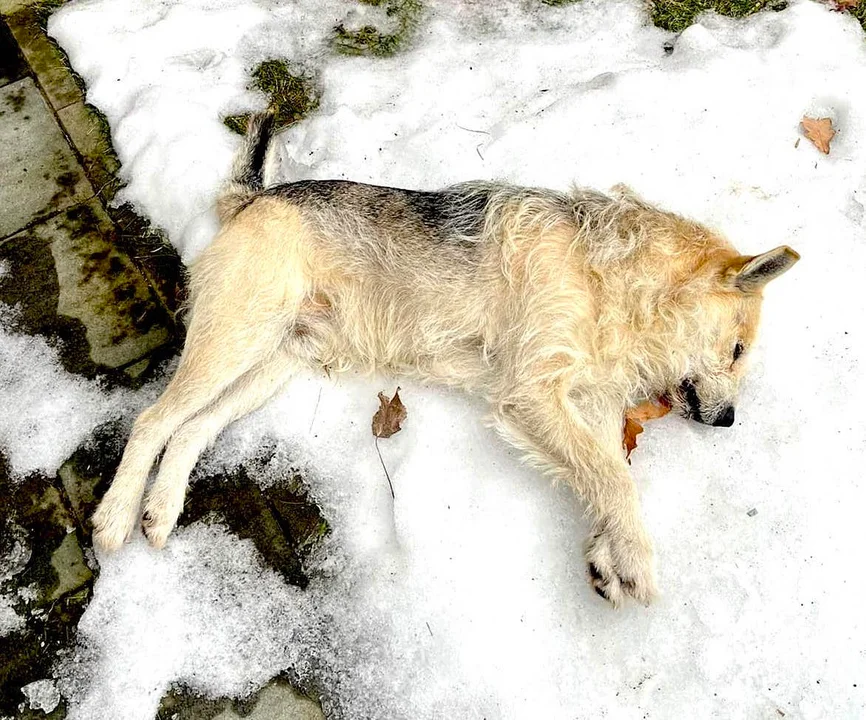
(465, 596)
(206, 608)
(10, 620)
(42, 695)
(48, 413)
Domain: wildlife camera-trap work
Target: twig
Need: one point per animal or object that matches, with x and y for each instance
(480, 132)
(313, 419)
(390, 484)
(428, 628)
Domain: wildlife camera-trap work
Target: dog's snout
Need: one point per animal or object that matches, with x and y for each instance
(726, 419)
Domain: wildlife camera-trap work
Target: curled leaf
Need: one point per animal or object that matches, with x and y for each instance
(388, 417)
(634, 419)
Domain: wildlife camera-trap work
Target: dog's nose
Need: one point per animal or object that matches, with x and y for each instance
(726, 419)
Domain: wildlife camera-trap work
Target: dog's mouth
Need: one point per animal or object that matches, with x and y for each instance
(687, 400)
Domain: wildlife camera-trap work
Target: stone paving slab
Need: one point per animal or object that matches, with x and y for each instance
(44, 57)
(8, 7)
(46, 582)
(275, 701)
(87, 132)
(39, 174)
(69, 282)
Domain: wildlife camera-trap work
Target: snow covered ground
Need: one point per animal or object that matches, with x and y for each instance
(465, 596)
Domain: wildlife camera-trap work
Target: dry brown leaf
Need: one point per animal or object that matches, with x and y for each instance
(846, 4)
(388, 417)
(820, 131)
(634, 419)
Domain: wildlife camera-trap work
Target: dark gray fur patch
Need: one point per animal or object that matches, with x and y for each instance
(690, 394)
(452, 215)
(258, 138)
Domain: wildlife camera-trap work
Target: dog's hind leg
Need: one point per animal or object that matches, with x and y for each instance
(215, 355)
(165, 498)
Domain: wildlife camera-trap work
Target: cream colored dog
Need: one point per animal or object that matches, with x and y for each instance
(561, 309)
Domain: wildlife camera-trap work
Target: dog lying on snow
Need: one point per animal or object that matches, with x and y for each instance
(561, 309)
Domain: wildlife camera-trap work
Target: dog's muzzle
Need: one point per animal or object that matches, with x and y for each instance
(689, 394)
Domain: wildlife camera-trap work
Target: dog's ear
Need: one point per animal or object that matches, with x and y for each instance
(751, 272)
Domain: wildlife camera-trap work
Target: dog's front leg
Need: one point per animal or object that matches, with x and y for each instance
(583, 447)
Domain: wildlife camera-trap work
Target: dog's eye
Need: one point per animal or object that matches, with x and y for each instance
(738, 350)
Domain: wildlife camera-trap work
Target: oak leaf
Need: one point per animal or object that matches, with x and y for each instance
(820, 131)
(634, 419)
(388, 417)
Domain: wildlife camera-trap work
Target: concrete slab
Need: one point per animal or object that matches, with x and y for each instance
(277, 701)
(90, 135)
(48, 587)
(38, 171)
(8, 7)
(46, 59)
(71, 283)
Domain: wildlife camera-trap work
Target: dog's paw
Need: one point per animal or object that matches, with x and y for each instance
(159, 518)
(114, 521)
(621, 565)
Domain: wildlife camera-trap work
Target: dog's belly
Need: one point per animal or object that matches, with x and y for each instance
(434, 334)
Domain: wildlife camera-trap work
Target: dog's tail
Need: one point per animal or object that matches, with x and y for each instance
(247, 176)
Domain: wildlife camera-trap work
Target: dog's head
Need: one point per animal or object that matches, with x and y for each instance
(727, 321)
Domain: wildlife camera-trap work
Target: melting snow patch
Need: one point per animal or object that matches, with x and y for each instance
(42, 695)
(10, 620)
(466, 596)
(48, 413)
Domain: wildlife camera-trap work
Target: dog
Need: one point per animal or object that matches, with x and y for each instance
(561, 309)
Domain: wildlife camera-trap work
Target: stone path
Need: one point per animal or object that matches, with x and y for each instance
(104, 289)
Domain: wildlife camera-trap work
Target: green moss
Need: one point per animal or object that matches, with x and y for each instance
(290, 96)
(677, 15)
(44, 8)
(369, 40)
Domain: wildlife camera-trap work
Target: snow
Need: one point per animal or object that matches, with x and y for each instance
(14, 557)
(465, 596)
(42, 695)
(48, 413)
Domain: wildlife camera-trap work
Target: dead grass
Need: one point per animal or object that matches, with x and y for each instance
(369, 40)
(290, 96)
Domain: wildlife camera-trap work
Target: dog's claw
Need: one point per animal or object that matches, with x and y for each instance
(159, 518)
(620, 568)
